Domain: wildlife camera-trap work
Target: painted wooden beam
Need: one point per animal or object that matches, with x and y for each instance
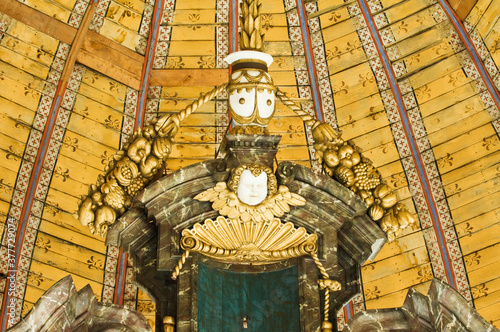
(96, 52)
(77, 44)
(38, 20)
(189, 77)
(111, 59)
(462, 7)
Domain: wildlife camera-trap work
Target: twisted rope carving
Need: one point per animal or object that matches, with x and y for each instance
(179, 265)
(309, 120)
(325, 275)
(177, 118)
(324, 284)
(202, 100)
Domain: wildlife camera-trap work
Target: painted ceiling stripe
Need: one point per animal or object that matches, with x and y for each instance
(149, 57)
(306, 38)
(120, 278)
(233, 25)
(464, 36)
(34, 180)
(31, 190)
(411, 140)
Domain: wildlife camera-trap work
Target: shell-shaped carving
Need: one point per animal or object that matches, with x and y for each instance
(234, 240)
(376, 212)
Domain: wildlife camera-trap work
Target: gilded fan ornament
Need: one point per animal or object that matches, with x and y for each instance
(252, 231)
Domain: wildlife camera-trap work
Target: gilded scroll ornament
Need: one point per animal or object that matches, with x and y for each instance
(254, 242)
(252, 232)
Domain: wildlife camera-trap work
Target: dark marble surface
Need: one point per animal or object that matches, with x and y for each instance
(239, 149)
(443, 309)
(346, 235)
(62, 308)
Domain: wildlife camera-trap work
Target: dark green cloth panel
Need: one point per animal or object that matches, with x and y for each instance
(268, 300)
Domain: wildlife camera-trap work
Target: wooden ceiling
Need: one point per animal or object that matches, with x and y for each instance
(414, 85)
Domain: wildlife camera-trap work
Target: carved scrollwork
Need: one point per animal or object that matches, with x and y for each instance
(248, 242)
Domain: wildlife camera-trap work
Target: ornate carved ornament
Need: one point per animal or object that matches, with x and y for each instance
(344, 161)
(251, 233)
(131, 169)
(228, 201)
(252, 102)
(248, 242)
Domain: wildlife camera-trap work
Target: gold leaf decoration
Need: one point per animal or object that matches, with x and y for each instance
(250, 241)
(274, 206)
(251, 36)
(132, 168)
(344, 162)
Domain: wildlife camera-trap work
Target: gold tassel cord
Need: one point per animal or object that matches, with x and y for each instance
(180, 264)
(327, 285)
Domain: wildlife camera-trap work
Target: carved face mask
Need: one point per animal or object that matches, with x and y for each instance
(251, 96)
(252, 190)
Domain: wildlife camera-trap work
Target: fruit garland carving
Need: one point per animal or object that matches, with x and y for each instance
(343, 161)
(132, 168)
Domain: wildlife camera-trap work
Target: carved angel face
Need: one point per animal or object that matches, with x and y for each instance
(252, 190)
(253, 183)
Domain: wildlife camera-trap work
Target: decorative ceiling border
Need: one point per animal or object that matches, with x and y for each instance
(162, 14)
(471, 49)
(306, 50)
(36, 171)
(223, 43)
(416, 155)
(38, 164)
